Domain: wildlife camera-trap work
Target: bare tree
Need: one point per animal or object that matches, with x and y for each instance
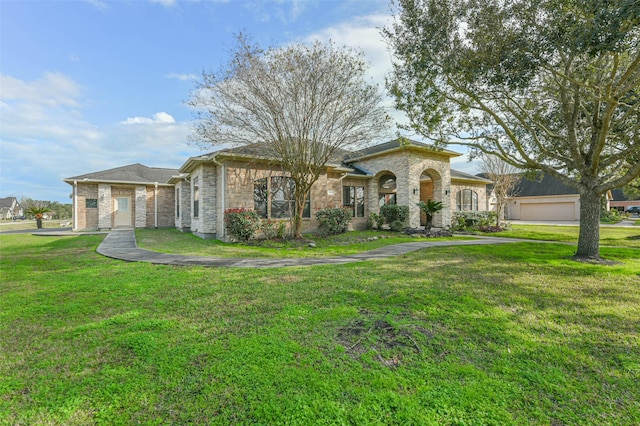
(505, 178)
(300, 104)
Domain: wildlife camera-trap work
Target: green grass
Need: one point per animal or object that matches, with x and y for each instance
(174, 241)
(19, 225)
(609, 235)
(506, 335)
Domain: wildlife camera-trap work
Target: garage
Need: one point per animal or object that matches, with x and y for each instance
(548, 211)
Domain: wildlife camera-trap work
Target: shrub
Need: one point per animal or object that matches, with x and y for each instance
(394, 212)
(374, 221)
(490, 228)
(471, 221)
(396, 226)
(611, 216)
(241, 223)
(427, 233)
(272, 229)
(334, 221)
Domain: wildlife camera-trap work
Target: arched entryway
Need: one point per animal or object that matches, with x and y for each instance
(430, 189)
(387, 189)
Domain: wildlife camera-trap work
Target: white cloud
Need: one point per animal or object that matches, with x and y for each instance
(165, 3)
(158, 118)
(182, 76)
(44, 137)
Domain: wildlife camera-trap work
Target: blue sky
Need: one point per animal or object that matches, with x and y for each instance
(92, 85)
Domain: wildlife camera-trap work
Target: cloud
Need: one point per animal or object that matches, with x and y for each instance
(45, 137)
(158, 118)
(182, 77)
(165, 3)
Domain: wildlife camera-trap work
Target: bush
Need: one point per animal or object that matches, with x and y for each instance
(490, 229)
(611, 216)
(241, 223)
(394, 212)
(334, 221)
(427, 233)
(374, 221)
(272, 229)
(471, 221)
(396, 226)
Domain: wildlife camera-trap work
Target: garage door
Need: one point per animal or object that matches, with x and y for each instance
(547, 211)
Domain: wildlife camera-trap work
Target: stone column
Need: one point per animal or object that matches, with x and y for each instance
(141, 207)
(104, 206)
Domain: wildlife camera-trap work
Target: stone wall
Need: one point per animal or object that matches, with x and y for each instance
(87, 218)
(165, 204)
(204, 225)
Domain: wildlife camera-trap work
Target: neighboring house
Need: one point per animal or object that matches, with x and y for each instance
(205, 186)
(130, 196)
(620, 202)
(544, 197)
(10, 208)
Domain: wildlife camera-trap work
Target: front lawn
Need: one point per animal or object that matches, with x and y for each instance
(507, 335)
(609, 235)
(174, 241)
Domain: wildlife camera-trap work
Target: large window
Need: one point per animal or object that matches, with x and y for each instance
(353, 198)
(196, 196)
(274, 198)
(466, 200)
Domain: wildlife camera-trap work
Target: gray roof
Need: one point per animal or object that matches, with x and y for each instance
(7, 202)
(395, 144)
(137, 173)
(457, 174)
(542, 185)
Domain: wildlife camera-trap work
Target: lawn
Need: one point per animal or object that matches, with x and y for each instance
(510, 334)
(16, 225)
(615, 236)
(174, 241)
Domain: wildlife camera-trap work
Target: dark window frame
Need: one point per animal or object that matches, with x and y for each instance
(91, 203)
(467, 200)
(274, 198)
(353, 197)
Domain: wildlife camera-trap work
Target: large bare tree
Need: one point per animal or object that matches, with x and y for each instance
(505, 178)
(301, 104)
(550, 85)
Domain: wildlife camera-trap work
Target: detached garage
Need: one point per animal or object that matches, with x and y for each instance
(543, 198)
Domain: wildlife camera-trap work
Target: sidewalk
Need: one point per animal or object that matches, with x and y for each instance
(121, 244)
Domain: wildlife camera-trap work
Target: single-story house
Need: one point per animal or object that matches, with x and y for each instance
(129, 196)
(194, 197)
(544, 197)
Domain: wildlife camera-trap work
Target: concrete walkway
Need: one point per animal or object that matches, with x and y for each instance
(121, 244)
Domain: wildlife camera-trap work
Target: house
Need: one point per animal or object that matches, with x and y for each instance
(621, 202)
(129, 196)
(397, 172)
(10, 208)
(543, 197)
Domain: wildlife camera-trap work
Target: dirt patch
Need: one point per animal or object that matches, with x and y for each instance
(389, 343)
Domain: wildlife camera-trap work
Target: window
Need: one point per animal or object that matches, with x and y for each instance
(177, 202)
(387, 190)
(353, 197)
(274, 198)
(91, 203)
(467, 199)
(196, 196)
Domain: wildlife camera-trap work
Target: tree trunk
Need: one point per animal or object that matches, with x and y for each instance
(589, 239)
(39, 222)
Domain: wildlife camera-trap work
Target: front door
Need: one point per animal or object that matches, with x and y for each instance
(122, 211)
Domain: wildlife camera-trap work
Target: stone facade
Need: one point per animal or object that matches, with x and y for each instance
(104, 206)
(408, 166)
(203, 182)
